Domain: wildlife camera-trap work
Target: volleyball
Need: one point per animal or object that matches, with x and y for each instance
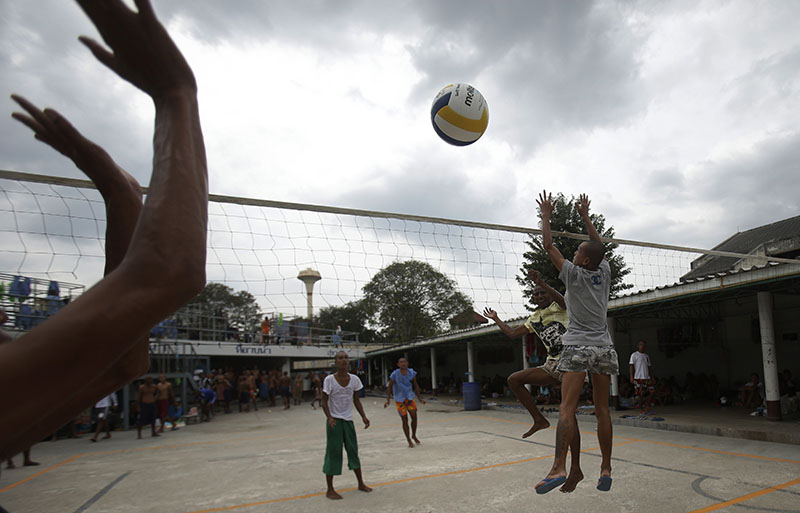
(459, 114)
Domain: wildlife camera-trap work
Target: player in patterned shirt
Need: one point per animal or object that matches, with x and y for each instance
(547, 324)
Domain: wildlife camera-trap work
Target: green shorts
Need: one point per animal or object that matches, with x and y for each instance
(343, 434)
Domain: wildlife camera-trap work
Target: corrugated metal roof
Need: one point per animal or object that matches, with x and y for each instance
(744, 242)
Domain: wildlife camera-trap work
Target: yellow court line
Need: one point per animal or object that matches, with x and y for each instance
(747, 497)
(385, 483)
(704, 449)
(41, 472)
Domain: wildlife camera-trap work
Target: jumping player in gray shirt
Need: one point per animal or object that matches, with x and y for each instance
(587, 342)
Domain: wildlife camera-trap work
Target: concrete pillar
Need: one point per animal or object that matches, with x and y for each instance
(369, 373)
(384, 372)
(471, 362)
(614, 377)
(769, 355)
(433, 370)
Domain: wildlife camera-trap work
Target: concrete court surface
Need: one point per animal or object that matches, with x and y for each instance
(469, 461)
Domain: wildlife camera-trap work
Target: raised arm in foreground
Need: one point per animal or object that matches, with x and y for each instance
(103, 333)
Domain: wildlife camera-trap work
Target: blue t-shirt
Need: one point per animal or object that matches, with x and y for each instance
(403, 385)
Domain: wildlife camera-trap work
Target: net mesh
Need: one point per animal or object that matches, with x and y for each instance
(56, 232)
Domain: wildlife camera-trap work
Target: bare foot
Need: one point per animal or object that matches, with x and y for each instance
(416, 440)
(30, 463)
(536, 427)
(107, 436)
(156, 434)
(10, 464)
(574, 477)
(364, 488)
(411, 444)
(331, 494)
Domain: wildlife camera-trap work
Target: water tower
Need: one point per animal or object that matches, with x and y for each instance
(309, 276)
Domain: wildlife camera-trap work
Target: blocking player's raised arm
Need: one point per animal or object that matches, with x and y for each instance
(505, 328)
(165, 263)
(583, 210)
(545, 203)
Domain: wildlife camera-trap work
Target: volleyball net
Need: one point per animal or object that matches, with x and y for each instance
(53, 228)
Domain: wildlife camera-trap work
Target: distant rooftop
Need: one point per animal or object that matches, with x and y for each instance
(778, 239)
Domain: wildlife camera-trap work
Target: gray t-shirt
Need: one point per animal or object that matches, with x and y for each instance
(587, 304)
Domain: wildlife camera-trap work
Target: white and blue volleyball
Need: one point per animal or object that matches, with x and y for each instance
(459, 114)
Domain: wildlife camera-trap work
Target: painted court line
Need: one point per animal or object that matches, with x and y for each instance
(86, 505)
(385, 483)
(40, 473)
(669, 444)
(184, 445)
(747, 497)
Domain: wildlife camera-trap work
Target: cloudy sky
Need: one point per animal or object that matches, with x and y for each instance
(679, 119)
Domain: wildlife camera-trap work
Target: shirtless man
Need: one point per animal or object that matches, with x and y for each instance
(274, 377)
(251, 382)
(166, 396)
(316, 384)
(297, 391)
(285, 385)
(243, 388)
(221, 384)
(146, 406)
(155, 253)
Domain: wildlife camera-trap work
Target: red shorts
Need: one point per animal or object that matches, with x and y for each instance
(641, 384)
(163, 408)
(405, 407)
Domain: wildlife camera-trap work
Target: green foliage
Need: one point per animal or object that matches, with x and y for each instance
(566, 219)
(239, 309)
(411, 299)
(351, 317)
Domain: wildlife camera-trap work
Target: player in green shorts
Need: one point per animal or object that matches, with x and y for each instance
(339, 394)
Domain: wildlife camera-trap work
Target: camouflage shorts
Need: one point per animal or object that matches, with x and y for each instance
(591, 359)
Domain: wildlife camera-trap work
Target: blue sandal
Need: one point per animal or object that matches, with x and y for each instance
(604, 483)
(549, 484)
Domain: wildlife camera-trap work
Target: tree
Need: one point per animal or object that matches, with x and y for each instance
(220, 308)
(352, 317)
(411, 299)
(566, 219)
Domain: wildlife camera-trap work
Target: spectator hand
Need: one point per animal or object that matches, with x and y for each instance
(535, 276)
(545, 203)
(141, 50)
(386, 404)
(366, 423)
(332, 422)
(583, 206)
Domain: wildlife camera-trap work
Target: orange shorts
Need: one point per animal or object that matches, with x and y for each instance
(405, 407)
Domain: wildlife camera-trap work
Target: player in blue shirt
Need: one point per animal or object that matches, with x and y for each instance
(403, 382)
